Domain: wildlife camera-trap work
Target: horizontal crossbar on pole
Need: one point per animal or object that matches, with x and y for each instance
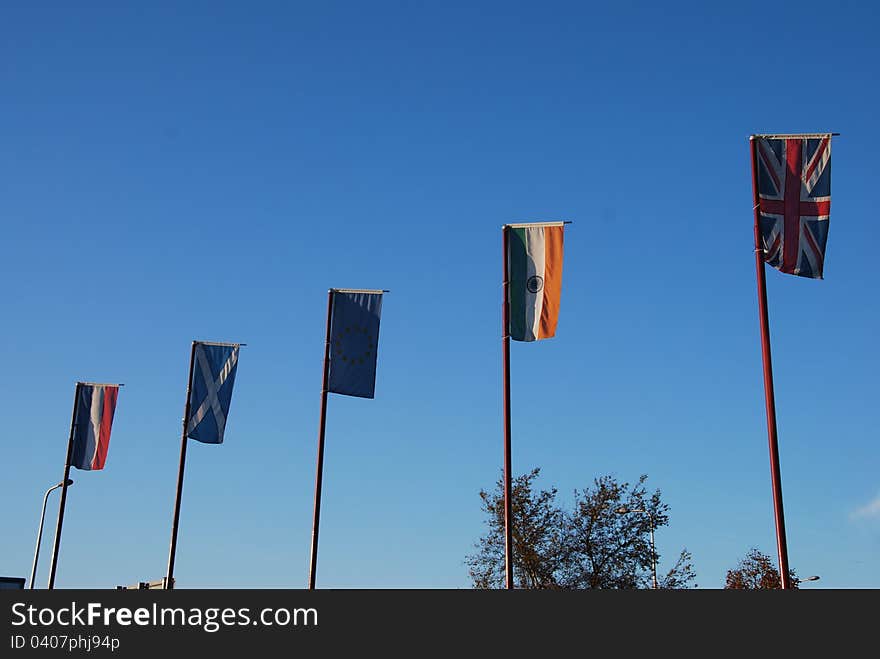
(216, 343)
(804, 136)
(536, 224)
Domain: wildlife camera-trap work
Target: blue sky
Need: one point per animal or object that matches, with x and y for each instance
(180, 171)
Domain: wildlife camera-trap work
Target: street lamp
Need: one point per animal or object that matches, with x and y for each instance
(624, 510)
(815, 577)
(40, 532)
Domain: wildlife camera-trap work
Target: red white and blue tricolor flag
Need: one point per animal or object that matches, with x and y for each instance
(95, 405)
(794, 199)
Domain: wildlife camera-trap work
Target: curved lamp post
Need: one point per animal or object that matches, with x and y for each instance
(624, 510)
(40, 531)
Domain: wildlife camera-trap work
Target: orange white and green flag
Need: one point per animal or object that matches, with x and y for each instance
(534, 263)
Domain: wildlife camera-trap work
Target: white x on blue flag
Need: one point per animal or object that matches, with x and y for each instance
(212, 378)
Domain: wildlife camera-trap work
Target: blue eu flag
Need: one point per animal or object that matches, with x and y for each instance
(354, 342)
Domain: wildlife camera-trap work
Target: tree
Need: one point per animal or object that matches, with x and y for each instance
(757, 572)
(593, 546)
(538, 537)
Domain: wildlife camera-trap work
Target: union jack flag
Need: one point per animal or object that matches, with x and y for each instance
(794, 198)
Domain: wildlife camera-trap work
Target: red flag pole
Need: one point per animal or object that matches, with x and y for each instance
(505, 338)
(63, 502)
(172, 551)
(781, 545)
(322, 422)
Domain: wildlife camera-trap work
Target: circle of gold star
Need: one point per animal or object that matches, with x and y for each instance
(354, 345)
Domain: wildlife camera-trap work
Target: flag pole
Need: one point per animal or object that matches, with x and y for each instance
(505, 338)
(63, 491)
(781, 545)
(169, 578)
(322, 422)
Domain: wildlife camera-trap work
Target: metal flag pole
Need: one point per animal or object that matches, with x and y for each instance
(779, 516)
(505, 342)
(64, 482)
(322, 422)
(172, 551)
(40, 532)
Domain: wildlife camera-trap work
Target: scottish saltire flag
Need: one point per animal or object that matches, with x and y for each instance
(211, 381)
(354, 342)
(92, 421)
(794, 190)
(534, 264)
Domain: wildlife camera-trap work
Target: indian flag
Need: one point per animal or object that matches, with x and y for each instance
(535, 279)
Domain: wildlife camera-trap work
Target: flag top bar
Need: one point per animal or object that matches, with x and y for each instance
(783, 136)
(359, 290)
(101, 384)
(214, 343)
(536, 224)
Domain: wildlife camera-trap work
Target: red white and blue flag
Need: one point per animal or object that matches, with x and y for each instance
(95, 405)
(794, 199)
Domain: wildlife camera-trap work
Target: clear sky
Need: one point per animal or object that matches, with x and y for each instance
(172, 171)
